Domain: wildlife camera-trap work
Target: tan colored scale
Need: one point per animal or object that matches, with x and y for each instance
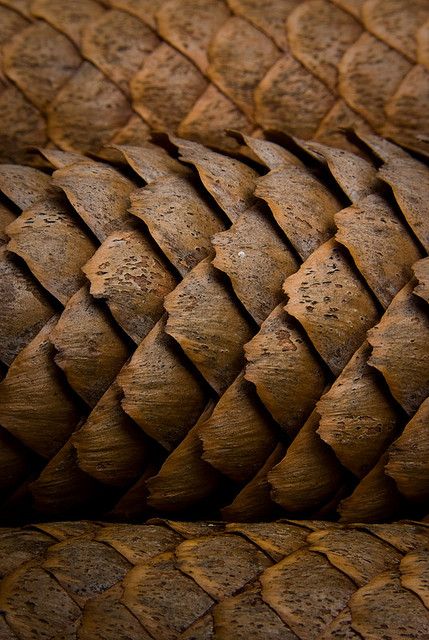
(190, 26)
(118, 44)
(152, 384)
(169, 74)
(254, 502)
(230, 182)
(87, 111)
(302, 206)
(204, 319)
(239, 57)
(53, 246)
(375, 498)
(408, 457)
(40, 60)
(24, 309)
(278, 99)
(69, 17)
(399, 349)
(287, 376)
(319, 35)
(332, 305)
(185, 478)
(360, 70)
(100, 195)
(392, 24)
(238, 437)
(178, 218)
(309, 475)
(43, 404)
(256, 259)
(108, 429)
(379, 245)
(89, 349)
(127, 273)
(357, 419)
(407, 124)
(421, 272)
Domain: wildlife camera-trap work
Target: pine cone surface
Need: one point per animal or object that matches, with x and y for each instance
(184, 332)
(78, 74)
(171, 580)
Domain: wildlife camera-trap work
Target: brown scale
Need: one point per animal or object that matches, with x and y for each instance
(319, 36)
(254, 502)
(407, 125)
(24, 310)
(408, 457)
(109, 446)
(53, 413)
(55, 490)
(202, 581)
(287, 376)
(238, 437)
(331, 304)
(288, 192)
(133, 280)
(360, 70)
(388, 268)
(421, 272)
(309, 475)
(399, 349)
(49, 223)
(391, 24)
(85, 328)
(91, 108)
(153, 384)
(184, 478)
(357, 419)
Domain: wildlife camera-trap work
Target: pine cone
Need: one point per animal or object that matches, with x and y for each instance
(171, 580)
(77, 74)
(187, 333)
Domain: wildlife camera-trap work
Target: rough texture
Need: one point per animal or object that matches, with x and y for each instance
(187, 332)
(170, 580)
(79, 74)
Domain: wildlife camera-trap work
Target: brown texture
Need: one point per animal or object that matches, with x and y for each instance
(410, 470)
(127, 273)
(356, 418)
(379, 245)
(302, 206)
(89, 73)
(309, 474)
(175, 375)
(287, 376)
(152, 383)
(209, 327)
(319, 36)
(255, 258)
(399, 345)
(180, 580)
(333, 306)
(53, 414)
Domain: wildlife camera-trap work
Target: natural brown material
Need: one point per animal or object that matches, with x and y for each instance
(187, 332)
(78, 74)
(174, 580)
